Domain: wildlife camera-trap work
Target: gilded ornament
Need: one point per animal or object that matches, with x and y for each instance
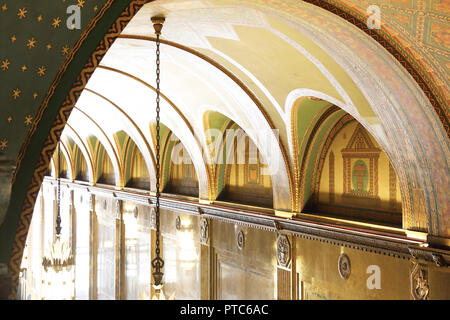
(3, 144)
(22, 13)
(240, 241)
(31, 43)
(16, 93)
(41, 71)
(204, 230)
(5, 64)
(28, 120)
(283, 250)
(344, 266)
(420, 288)
(56, 22)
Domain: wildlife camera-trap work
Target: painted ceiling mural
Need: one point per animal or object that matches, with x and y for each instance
(229, 51)
(34, 42)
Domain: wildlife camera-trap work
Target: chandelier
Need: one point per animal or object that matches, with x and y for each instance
(58, 259)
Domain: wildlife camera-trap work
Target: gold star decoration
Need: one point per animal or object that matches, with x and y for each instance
(24, 68)
(4, 7)
(31, 43)
(13, 38)
(41, 71)
(3, 144)
(64, 50)
(28, 120)
(22, 13)
(49, 46)
(81, 3)
(56, 22)
(10, 118)
(39, 18)
(35, 95)
(5, 64)
(16, 93)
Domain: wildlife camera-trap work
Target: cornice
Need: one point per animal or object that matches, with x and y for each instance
(393, 243)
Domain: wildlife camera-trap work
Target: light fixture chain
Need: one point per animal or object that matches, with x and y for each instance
(58, 208)
(157, 146)
(158, 262)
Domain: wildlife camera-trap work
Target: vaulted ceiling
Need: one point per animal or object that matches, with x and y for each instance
(253, 62)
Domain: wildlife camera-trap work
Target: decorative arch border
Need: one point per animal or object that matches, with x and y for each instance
(113, 32)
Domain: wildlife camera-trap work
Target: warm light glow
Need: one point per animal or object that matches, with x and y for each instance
(159, 294)
(58, 281)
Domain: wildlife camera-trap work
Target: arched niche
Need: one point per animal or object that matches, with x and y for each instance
(81, 167)
(240, 172)
(103, 166)
(135, 171)
(62, 163)
(178, 171)
(345, 173)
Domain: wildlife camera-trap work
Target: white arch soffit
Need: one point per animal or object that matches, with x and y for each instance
(97, 106)
(296, 94)
(254, 79)
(268, 144)
(348, 101)
(78, 121)
(377, 86)
(202, 72)
(138, 101)
(86, 154)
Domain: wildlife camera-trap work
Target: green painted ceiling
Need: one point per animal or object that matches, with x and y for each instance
(34, 43)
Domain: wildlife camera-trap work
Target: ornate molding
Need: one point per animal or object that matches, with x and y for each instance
(440, 258)
(420, 287)
(344, 266)
(283, 250)
(383, 243)
(204, 231)
(240, 239)
(178, 223)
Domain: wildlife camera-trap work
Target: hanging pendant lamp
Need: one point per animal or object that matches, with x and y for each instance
(58, 259)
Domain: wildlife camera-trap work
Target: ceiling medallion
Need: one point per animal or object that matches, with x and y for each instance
(240, 241)
(344, 266)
